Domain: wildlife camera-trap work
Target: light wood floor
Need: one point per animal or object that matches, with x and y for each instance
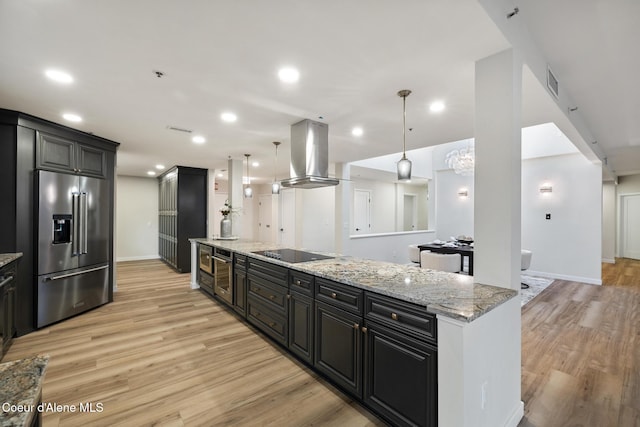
(581, 352)
(163, 354)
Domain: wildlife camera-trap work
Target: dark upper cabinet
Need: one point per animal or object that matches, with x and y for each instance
(400, 377)
(182, 214)
(64, 155)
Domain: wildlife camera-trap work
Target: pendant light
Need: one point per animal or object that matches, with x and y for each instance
(275, 187)
(248, 191)
(404, 164)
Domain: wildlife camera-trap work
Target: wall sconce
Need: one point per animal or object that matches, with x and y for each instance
(463, 192)
(546, 188)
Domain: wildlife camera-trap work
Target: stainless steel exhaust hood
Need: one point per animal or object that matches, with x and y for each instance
(309, 156)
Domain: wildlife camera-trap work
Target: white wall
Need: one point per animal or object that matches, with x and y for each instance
(608, 222)
(569, 245)
(136, 218)
(315, 219)
(454, 214)
(383, 210)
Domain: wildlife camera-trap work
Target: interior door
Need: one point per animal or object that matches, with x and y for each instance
(264, 218)
(288, 218)
(630, 226)
(410, 212)
(361, 212)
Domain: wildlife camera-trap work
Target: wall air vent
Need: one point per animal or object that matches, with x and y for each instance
(179, 129)
(552, 82)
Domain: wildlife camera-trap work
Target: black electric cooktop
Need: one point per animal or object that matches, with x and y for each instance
(292, 255)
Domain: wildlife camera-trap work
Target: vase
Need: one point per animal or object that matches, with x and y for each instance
(225, 227)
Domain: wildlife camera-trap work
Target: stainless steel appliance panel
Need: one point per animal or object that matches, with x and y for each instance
(222, 275)
(205, 255)
(64, 294)
(57, 194)
(94, 220)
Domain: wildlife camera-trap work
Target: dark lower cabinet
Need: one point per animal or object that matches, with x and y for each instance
(301, 326)
(338, 347)
(400, 377)
(8, 282)
(205, 280)
(240, 284)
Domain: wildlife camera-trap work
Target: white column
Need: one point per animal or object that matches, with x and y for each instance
(236, 196)
(497, 223)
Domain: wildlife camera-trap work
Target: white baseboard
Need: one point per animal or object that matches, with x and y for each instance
(589, 280)
(137, 258)
(609, 260)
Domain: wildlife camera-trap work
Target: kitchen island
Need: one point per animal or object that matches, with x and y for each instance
(473, 330)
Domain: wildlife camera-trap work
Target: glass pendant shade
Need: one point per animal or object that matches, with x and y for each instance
(275, 188)
(404, 169)
(404, 164)
(248, 191)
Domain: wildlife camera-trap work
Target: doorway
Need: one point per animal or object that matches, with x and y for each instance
(410, 212)
(361, 212)
(630, 226)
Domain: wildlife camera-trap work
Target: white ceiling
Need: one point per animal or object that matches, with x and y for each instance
(353, 57)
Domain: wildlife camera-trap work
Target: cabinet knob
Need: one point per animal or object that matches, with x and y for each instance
(298, 283)
(394, 316)
(272, 297)
(288, 296)
(272, 324)
(364, 329)
(356, 326)
(334, 295)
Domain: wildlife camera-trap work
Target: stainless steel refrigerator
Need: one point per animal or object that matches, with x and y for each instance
(73, 245)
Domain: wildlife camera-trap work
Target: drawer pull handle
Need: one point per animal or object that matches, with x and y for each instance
(334, 295)
(394, 316)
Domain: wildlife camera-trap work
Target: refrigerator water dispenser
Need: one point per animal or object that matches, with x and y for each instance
(61, 229)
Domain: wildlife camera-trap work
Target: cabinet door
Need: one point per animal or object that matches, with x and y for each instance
(400, 379)
(56, 153)
(91, 161)
(240, 291)
(338, 347)
(301, 326)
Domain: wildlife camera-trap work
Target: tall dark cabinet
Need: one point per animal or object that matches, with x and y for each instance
(28, 144)
(182, 214)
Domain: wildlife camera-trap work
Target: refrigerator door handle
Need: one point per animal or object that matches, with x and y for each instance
(75, 218)
(84, 211)
(64, 276)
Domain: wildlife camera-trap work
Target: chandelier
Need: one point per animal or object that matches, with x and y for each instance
(461, 160)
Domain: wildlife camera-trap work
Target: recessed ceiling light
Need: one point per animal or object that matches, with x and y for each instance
(72, 117)
(220, 175)
(228, 117)
(159, 167)
(198, 139)
(59, 76)
(255, 164)
(288, 75)
(151, 173)
(357, 131)
(436, 106)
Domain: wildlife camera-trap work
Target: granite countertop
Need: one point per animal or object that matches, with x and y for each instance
(448, 294)
(8, 258)
(20, 389)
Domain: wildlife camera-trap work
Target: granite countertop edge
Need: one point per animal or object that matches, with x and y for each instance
(448, 294)
(8, 258)
(21, 384)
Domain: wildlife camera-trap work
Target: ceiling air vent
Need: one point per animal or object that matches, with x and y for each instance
(552, 82)
(179, 129)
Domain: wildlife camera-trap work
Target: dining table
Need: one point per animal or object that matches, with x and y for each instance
(464, 249)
